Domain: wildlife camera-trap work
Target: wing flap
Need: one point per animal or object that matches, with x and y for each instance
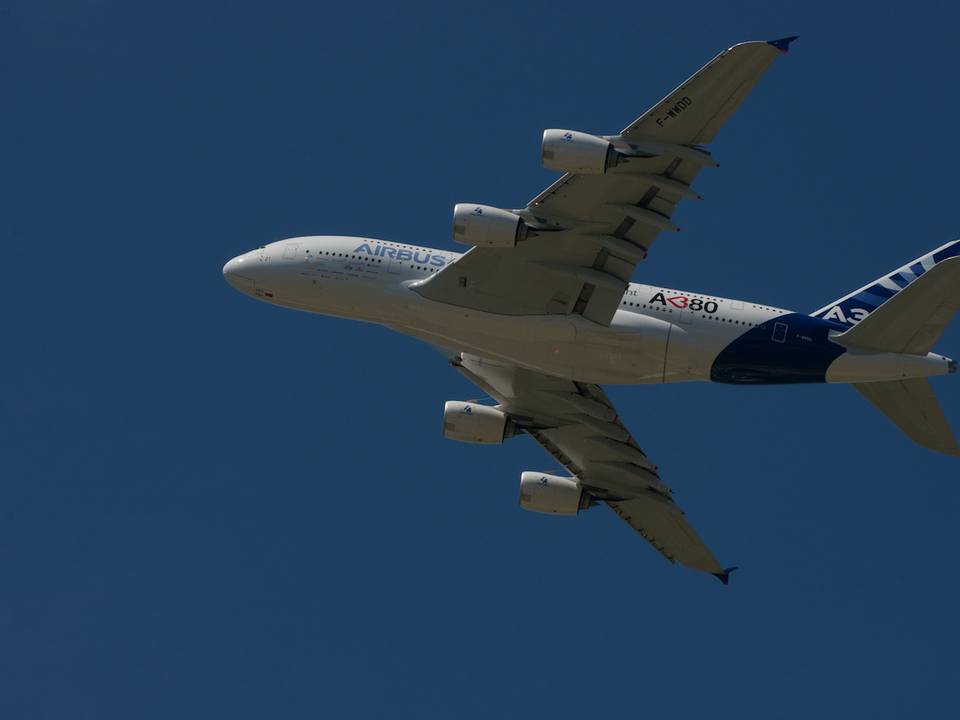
(664, 526)
(516, 281)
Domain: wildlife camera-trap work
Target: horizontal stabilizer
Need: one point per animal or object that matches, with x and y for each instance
(912, 320)
(912, 407)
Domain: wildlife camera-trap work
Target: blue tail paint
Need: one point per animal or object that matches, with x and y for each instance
(852, 308)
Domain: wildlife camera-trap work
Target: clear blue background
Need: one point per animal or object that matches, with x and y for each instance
(213, 507)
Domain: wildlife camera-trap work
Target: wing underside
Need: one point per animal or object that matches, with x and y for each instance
(577, 424)
(588, 232)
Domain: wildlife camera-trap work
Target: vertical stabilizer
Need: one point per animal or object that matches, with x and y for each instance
(913, 319)
(851, 309)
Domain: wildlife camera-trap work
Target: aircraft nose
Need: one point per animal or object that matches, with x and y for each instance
(233, 273)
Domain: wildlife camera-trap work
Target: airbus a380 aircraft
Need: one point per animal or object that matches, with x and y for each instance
(541, 310)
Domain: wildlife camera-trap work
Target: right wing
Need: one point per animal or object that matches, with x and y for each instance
(577, 424)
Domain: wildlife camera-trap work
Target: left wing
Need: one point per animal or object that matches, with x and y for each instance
(583, 236)
(577, 424)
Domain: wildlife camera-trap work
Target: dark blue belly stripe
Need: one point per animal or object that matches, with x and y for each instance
(758, 358)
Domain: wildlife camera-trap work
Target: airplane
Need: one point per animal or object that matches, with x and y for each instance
(540, 310)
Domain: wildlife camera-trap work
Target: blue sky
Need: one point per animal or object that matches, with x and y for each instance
(212, 506)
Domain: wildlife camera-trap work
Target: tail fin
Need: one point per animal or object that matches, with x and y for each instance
(912, 407)
(905, 312)
(851, 309)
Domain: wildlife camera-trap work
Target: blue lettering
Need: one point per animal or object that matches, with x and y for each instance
(423, 258)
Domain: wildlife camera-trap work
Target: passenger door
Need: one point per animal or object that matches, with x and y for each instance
(780, 332)
(291, 250)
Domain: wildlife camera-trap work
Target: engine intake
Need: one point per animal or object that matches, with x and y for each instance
(577, 152)
(552, 494)
(485, 226)
(473, 423)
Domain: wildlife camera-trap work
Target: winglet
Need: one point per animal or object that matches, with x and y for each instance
(783, 44)
(724, 576)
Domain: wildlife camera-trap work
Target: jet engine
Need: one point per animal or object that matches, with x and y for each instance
(552, 494)
(473, 423)
(485, 226)
(577, 152)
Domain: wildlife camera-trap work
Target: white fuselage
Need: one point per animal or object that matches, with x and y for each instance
(658, 335)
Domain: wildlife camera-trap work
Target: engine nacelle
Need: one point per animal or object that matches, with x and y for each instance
(552, 494)
(473, 423)
(485, 226)
(577, 152)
